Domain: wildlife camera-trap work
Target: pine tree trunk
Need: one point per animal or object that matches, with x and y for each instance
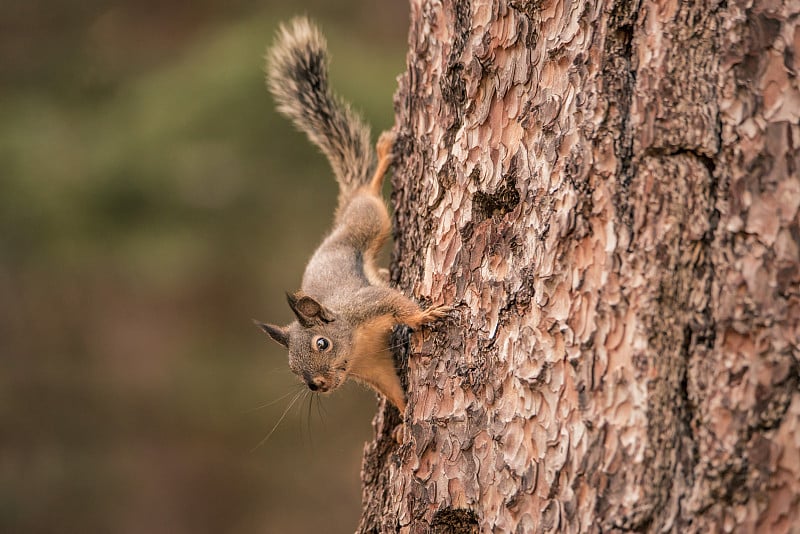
(608, 194)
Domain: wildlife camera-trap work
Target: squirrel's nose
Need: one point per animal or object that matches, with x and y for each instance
(318, 383)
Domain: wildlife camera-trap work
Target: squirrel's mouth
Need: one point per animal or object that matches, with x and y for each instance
(338, 378)
(327, 382)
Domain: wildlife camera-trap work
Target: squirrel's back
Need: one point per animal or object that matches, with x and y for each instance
(297, 76)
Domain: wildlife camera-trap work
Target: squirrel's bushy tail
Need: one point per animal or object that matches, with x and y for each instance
(297, 76)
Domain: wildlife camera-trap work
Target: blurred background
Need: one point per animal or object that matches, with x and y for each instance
(151, 204)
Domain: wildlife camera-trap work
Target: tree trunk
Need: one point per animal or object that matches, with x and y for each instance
(608, 194)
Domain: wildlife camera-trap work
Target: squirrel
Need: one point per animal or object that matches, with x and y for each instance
(344, 310)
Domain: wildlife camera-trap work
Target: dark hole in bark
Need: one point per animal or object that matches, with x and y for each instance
(502, 201)
(454, 521)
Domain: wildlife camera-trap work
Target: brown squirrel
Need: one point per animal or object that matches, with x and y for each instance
(345, 311)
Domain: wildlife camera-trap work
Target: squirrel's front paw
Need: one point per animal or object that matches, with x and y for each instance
(436, 313)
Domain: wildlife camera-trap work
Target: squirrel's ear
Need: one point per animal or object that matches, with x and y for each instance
(308, 310)
(281, 335)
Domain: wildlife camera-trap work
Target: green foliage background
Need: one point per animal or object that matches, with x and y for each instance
(151, 204)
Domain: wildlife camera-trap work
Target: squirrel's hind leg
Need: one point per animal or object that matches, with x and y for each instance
(384, 148)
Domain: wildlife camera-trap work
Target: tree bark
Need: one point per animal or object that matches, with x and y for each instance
(608, 194)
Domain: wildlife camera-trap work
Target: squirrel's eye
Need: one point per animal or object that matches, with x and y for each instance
(322, 344)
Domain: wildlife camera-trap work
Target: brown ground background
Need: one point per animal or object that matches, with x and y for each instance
(151, 204)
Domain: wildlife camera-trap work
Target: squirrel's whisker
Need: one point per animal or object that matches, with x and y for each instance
(283, 415)
(274, 401)
(320, 410)
(310, 397)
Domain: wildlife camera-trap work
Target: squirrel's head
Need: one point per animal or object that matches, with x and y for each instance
(317, 341)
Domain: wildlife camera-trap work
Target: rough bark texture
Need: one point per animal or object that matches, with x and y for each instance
(608, 193)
